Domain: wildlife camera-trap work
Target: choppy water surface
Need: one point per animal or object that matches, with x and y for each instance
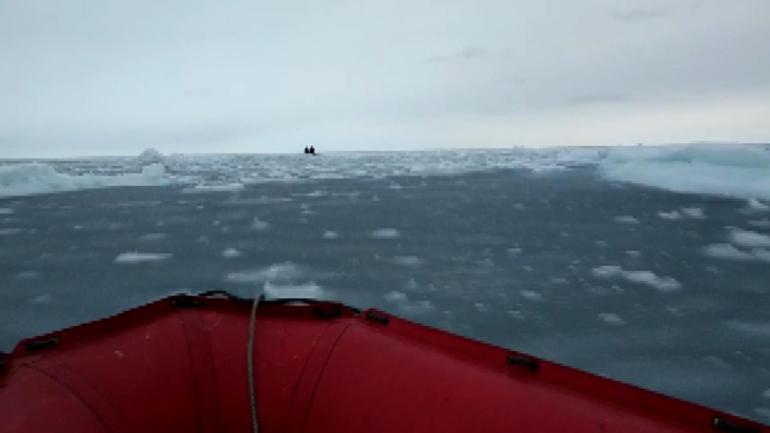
(662, 289)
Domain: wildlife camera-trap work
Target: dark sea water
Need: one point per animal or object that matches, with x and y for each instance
(562, 264)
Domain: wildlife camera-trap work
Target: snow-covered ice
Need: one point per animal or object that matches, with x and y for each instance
(729, 252)
(330, 234)
(258, 224)
(749, 239)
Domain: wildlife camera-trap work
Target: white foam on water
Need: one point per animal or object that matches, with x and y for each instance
(230, 253)
(385, 233)
(134, 257)
(626, 219)
(38, 178)
(732, 170)
(611, 319)
(644, 277)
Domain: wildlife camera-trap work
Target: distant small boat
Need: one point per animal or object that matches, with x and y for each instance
(179, 365)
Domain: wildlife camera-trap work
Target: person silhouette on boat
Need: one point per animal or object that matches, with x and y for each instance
(312, 150)
(307, 150)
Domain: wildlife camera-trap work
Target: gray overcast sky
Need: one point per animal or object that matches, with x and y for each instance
(96, 77)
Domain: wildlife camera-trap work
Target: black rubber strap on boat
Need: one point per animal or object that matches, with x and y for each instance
(377, 317)
(41, 343)
(729, 426)
(530, 364)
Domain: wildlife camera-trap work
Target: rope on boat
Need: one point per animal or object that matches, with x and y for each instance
(250, 364)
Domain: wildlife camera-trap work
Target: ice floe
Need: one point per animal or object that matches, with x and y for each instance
(730, 170)
(134, 257)
(6, 211)
(645, 277)
(153, 237)
(213, 188)
(38, 178)
(750, 239)
(330, 234)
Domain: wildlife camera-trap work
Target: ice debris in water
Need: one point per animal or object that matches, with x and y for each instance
(672, 215)
(612, 319)
(648, 278)
(330, 234)
(137, 257)
(531, 295)
(747, 238)
(385, 233)
(407, 260)
(729, 252)
(626, 219)
(258, 224)
(230, 253)
(757, 205)
(6, 211)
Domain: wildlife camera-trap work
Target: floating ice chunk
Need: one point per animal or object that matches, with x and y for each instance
(416, 307)
(9, 231)
(672, 215)
(531, 295)
(747, 238)
(763, 223)
(693, 212)
(407, 260)
(286, 271)
(309, 290)
(514, 251)
(230, 253)
(385, 233)
(766, 394)
(626, 219)
(27, 275)
(137, 257)
(753, 329)
(729, 252)
(764, 411)
(633, 253)
(481, 307)
(649, 278)
(152, 237)
(41, 299)
(611, 319)
(396, 297)
(330, 234)
(6, 211)
(516, 314)
(258, 224)
(204, 188)
(757, 205)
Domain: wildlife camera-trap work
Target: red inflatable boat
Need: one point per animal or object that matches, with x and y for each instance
(180, 365)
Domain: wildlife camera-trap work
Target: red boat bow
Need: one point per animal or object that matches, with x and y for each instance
(179, 364)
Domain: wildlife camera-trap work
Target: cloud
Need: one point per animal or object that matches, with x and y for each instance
(639, 15)
(468, 53)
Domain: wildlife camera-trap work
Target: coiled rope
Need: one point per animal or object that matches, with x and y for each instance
(250, 364)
